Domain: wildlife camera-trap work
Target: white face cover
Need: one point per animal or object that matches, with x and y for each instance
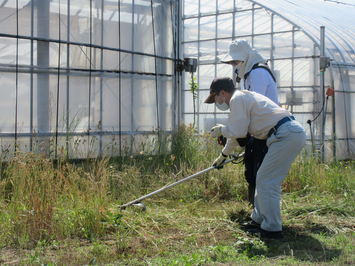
(240, 69)
(222, 106)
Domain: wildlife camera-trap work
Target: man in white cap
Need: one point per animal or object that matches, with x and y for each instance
(257, 115)
(252, 70)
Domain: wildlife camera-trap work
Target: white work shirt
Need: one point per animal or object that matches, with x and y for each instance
(252, 112)
(260, 81)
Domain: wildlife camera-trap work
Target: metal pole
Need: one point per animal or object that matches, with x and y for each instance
(119, 84)
(43, 111)
(272, 44)
(234, 75)
(167, 187)
(83, 44)
(16, 87)
(101, 123)
(252, 24)
(315, 71)
(67, 116)
(158, 104)
(175, 18)
(180, 93)
(91, 65)
(173, 184)
(233, 18)
(196, 101)
(293, 67)
(31, 88)
(333, 121)
(322, 54)
(132, 77)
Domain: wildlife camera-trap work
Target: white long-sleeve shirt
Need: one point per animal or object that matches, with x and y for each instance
(252, 112)
(260, 81)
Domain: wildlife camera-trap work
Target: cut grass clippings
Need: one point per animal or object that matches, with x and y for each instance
(192, 233)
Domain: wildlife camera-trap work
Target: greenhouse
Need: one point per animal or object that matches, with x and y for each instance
(177, 132)
(85, 78)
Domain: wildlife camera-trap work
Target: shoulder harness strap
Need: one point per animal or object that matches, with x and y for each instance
(260, 66)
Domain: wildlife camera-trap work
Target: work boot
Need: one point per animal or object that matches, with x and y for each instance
(265, 234)
(250, 225)
(270, 234)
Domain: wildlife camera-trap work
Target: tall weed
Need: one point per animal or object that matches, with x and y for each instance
(30, 191)
(309, 173)
(42, 201)
(187, 147)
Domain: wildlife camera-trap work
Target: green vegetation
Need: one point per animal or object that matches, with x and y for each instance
(193, 89)
(66, 213)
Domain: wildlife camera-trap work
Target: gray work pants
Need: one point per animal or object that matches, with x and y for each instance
(283, 147)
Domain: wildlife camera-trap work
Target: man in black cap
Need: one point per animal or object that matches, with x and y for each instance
(253, 113)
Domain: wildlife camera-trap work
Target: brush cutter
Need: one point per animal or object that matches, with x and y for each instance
(137, 202)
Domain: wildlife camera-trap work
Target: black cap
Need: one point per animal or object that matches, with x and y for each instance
(217, 85)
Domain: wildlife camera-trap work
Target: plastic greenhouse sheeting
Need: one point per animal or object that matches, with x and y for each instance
(339, 22)
(309, 15)
(287, 33)
(85, 78)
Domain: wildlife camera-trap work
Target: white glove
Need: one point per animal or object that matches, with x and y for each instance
(216, 131)
(219, 161)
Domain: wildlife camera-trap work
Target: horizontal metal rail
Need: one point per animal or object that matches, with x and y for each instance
(342, 91)
(81, 134)
(64, 70)
(226, 113)
(280, 87)
(241, 36)
(229, 11)
(42, 39)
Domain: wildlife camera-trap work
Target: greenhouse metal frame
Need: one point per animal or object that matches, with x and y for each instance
(289, 35)
(87, 78)
(91, 78)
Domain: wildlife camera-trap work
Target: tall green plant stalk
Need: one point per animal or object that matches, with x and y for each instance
(193, 88)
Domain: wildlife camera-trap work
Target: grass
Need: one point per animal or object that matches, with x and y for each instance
(66, 213)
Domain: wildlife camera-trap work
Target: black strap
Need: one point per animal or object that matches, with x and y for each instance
(281, 122)
(260, 66)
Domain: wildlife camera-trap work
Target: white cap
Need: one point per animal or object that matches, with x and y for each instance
(238, 50)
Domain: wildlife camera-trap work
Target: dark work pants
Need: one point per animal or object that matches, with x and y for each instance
(255, 151)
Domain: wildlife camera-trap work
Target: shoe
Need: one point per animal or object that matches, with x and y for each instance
(270, 234)
(250, 225)
(263, 234)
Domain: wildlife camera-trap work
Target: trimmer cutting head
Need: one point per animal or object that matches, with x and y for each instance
(140, 205)
(136, 204)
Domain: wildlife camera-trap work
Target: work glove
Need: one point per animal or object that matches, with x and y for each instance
(216, 131)
(222, 140)
(219, 161)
